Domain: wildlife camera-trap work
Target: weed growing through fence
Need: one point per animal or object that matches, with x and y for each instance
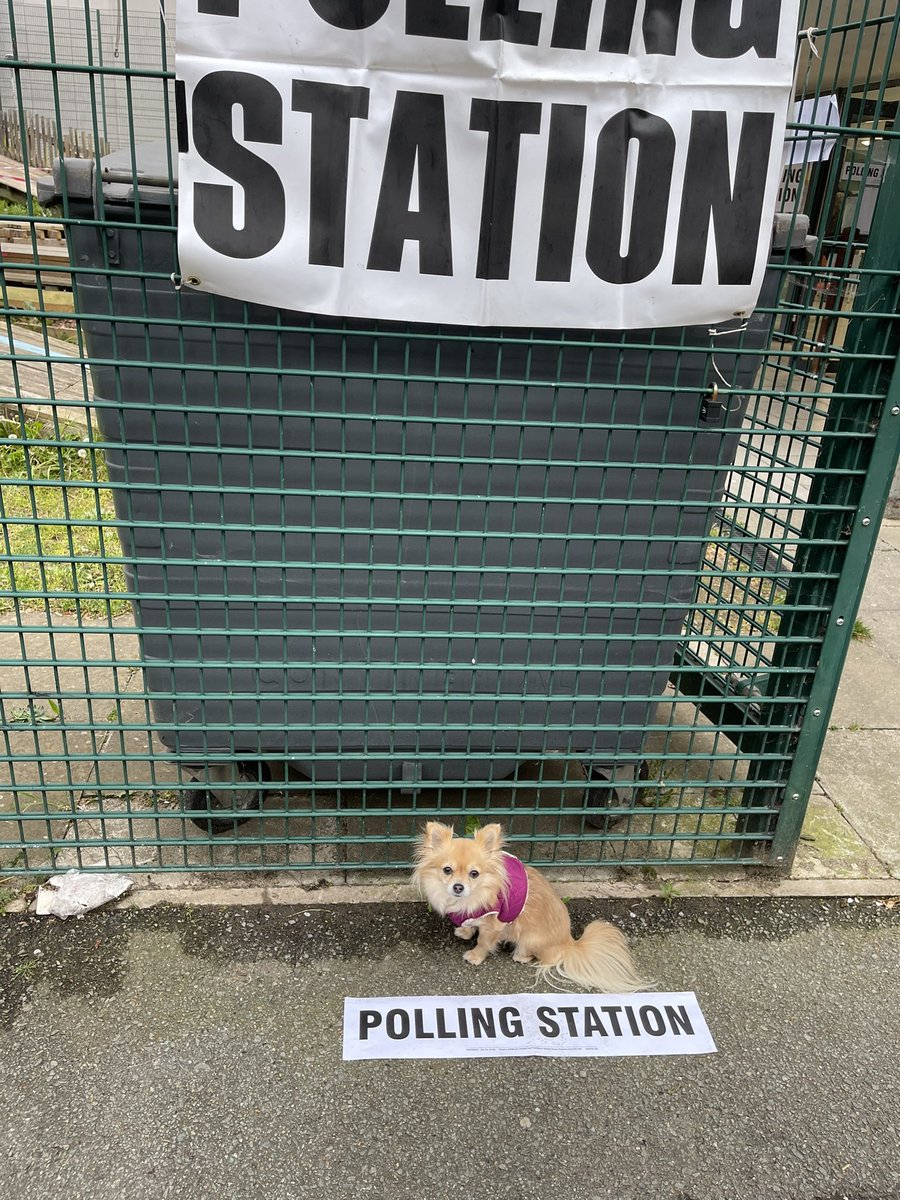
(56, 536)
(33, 714)
(126, 803)
(861, 632)
(668, 891)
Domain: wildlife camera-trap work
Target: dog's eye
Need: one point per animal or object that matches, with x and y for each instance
(473, 874)
(448, 870)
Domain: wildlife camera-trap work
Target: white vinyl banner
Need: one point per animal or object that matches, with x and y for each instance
(549, 163)
(554, 1025)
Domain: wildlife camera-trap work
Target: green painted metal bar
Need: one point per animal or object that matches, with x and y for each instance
(272, 605)
(838, 537)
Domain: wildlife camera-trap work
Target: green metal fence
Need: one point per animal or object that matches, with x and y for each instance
(163, 708)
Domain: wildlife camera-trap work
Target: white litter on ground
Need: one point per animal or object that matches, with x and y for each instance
(78, 892)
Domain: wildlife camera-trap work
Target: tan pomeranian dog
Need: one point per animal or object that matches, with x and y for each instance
(484, 890)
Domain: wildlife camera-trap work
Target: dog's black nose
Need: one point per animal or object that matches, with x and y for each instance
(458, 889)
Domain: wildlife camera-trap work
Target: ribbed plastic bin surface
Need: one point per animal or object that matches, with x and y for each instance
(351, 539)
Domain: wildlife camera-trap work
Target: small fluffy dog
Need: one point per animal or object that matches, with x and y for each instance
(482, 889)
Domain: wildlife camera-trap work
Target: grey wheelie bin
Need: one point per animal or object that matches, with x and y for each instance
(393, 553)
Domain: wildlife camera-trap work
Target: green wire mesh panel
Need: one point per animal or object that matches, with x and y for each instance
(274, 590)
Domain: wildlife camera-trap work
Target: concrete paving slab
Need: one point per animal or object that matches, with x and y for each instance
(884, 625)
(65, 670)
(830, 848)
(136, 794)
(863, 778)
(266, 845)
(860, 771)
(869, 691)
(881, 590)
(197, 1053)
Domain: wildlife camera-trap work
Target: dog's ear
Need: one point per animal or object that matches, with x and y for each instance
(436, 835)
(490, 838)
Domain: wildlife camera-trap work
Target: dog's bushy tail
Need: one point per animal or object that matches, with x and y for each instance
(600, 960)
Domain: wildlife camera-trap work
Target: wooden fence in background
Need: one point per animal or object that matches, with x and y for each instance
(40, 146)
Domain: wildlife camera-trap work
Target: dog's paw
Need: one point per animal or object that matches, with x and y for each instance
(473, 957)
(521, 957)
(466, 932)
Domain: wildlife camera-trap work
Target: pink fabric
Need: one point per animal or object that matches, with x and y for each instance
(510, 902)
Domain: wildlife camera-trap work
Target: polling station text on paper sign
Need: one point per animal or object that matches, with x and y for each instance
(558, 163)
(516, 1026)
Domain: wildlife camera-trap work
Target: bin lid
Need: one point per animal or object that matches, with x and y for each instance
(149, 166)
(148, 176)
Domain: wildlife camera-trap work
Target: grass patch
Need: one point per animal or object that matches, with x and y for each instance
(21, 208)
(40, 523)
(861, 632)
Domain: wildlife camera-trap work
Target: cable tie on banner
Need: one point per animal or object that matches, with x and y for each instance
(811, 34)
(716, 333)
(177, 281)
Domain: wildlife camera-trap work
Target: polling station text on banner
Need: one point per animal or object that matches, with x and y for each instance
(558, 163)
(518, 1026)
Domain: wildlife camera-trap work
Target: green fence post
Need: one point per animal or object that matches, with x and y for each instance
(847, 500)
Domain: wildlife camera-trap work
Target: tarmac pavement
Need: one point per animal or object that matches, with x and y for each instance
(196, 1053)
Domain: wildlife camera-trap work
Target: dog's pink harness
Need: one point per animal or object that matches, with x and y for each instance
(510, 902)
